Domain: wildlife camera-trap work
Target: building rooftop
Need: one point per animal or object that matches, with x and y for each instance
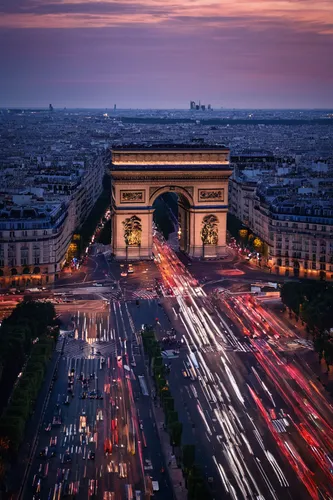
(125, 167)
(169, 147)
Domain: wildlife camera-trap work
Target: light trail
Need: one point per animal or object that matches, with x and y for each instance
(309, 443)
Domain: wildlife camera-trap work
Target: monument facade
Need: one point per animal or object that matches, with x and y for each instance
(199, 176)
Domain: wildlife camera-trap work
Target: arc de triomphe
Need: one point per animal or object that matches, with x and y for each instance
(199, 175)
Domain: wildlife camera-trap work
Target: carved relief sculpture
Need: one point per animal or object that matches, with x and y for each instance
(209, 230)
(132, 231)
(211, 194)
(132, 196)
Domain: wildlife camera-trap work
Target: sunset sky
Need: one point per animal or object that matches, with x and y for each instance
(162, 54)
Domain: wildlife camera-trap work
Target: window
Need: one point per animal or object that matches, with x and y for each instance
(314, 266)
(24, 256)
(12, 254)
(24, 233)
(12, 234)
(36, 254)
(2, 256)
(322, 267)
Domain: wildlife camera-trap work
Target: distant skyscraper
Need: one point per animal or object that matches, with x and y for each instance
(197, 107)
(192, 104)
(50, 107)
(209, 106)
(203, 107)
(115, 107)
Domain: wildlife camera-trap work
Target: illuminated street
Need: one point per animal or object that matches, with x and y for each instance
(98, 438)
(262, 413)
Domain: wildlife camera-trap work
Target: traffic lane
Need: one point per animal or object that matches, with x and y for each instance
(67, 435)
(297, 385)
(60, 386)
(184, 391)
(151, 446)
(148, 434)
(152, 452)
(205, 440)
(188, 397)
(255, 414)
(144, 275)
(239, 360)
(187, 414)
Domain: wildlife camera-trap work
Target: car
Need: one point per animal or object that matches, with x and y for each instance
(44, 452)
(48, 428)
(53, 441)
(67, 459)
(91, 455)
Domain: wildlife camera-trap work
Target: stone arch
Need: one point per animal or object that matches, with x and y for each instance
(171, 189)
(13, 271)
(26, 270)
(1, 272)
(36, 270)
(198, 174)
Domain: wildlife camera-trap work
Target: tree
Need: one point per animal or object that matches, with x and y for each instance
(169, 404)
(328, 354)
(243, 234)
(188, 455)
(171, 417)
(176, 430)
(319, 344)
(291, 296)
(257, 243)
(161, 384)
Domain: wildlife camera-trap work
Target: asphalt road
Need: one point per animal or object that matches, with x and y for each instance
(259, 415)
(259, 419)
(121, 419)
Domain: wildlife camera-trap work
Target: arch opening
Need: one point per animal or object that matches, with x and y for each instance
(171, 217)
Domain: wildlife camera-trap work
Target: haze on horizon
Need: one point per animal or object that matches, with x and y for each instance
(154, 54)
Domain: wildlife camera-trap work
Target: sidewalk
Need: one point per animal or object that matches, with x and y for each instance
(175, 472)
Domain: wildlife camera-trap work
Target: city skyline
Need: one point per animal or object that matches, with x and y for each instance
(268, 55)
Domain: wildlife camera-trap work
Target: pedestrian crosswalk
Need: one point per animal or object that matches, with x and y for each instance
(145, 294)
(127, 294)
(80, 348)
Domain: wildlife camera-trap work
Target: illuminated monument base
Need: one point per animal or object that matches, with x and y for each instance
(200, 179)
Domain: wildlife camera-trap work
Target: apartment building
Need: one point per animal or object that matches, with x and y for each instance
(34, 239)
(291, 215)
(37, 224)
